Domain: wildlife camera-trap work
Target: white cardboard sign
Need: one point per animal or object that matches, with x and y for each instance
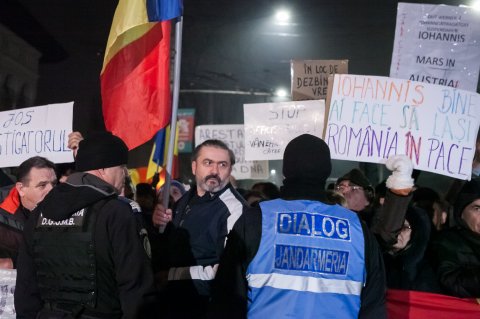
(36, 131)
(371, 118)
(233, 136)
(437, 44)
(270, 126)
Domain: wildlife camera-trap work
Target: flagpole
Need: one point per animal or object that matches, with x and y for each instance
(173, 121)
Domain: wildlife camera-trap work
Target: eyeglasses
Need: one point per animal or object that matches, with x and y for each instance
(342, 187)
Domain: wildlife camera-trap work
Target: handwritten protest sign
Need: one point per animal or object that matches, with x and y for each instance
(437, 44)
(7, 289)
(270, 126)
(233, 136)
(310, 77)
(371, 118)
(36, 131)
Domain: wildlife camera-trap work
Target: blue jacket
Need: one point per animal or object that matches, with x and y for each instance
(310, 261)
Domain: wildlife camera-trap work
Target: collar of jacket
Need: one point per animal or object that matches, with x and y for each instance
(11, 202)
(209, 196)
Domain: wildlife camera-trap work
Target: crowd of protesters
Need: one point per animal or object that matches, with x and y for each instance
(83, 247)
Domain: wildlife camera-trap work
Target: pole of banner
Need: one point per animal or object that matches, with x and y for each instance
(173, 121)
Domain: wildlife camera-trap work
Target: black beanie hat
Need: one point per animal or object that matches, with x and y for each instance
(307, 158)
(357, 177)
(469, 193)
(101, 150)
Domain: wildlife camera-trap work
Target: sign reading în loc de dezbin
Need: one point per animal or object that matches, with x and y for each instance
(36, 131)
(371, 118)
(310, 77)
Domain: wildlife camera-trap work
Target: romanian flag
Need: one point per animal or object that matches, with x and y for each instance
(158, 158)
(135, 78)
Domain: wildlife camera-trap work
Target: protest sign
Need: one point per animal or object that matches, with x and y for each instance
(310, 77)
(371, 118)
(7, 289)
(270, 126)
(233, 136)
(437, 44)
(36, 131)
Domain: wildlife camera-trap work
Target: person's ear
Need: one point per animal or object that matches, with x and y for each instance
(444, 217)
(19, 187)
(194, 167)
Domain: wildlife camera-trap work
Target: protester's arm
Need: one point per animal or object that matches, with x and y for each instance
(230, 287)
(161, 216)
(373, 294)
(389, 218)
(10, 241)
(74, 140)
(27, 294)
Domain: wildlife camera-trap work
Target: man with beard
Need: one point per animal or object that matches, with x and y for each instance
(196, 230)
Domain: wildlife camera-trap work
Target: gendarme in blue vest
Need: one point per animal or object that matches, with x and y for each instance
(310, 262)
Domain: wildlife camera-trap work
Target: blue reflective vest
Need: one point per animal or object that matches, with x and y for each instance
(310, 262)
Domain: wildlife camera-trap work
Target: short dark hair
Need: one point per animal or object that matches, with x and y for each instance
(217, 144)
(24, 169)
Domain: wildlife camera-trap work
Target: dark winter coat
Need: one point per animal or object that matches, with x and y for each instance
(124, 279)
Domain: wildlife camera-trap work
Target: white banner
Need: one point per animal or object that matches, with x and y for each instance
(7, 289)
(233, 136)
(437, 44)
(371, 118)
(270, 126)
(36, 131)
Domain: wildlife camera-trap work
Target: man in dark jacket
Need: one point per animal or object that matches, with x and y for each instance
(196, 235)
(457, 250)
(35, 178)
(82, 255)
(297, 257)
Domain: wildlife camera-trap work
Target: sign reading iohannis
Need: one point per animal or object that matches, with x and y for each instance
(36, 131)
(437, 44)
(371, 118)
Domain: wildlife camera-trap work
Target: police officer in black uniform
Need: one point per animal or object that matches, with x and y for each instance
(83, 257)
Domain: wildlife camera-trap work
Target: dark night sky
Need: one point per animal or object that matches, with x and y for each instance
(226, 44)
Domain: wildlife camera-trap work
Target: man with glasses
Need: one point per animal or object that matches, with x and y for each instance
(359, 193)
(196, 230)
(82, 255)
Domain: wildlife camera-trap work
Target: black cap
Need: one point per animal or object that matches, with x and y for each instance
(469, 193)
(357, 177)
(101, 150)
(307, 158)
